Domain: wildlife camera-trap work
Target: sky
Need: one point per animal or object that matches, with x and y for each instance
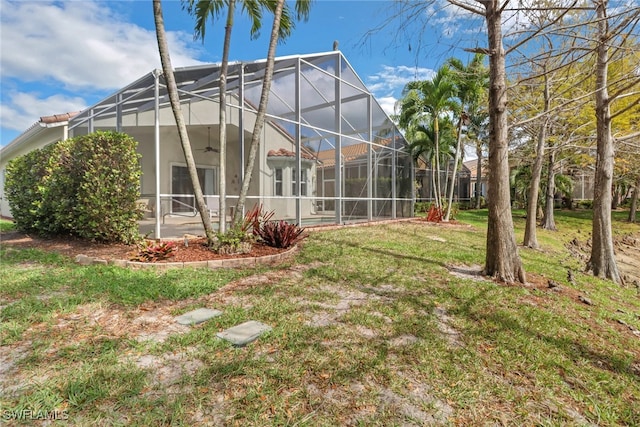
(64, 56)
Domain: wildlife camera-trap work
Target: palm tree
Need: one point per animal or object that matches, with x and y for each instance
(203, 10)
(471, 82)
(174, 99)
(422, 146)
(282, 27)
(424, 101)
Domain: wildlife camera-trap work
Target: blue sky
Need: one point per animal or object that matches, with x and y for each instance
(64, 56)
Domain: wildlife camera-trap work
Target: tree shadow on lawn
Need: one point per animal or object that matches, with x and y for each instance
(389, 253)
(575, 350)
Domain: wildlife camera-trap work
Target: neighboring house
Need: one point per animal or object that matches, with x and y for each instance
(319, 111)
(472, 167)
(583, 183)
(464, 185)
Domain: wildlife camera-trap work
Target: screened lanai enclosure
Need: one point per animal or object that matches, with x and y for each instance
(328, 152)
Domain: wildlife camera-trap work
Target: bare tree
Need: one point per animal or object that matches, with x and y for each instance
(603, 261)
(502, 260)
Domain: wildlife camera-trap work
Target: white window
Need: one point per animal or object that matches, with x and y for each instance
(277, 181)
(303, 182)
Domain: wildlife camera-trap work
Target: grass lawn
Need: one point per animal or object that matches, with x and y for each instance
(370, 327)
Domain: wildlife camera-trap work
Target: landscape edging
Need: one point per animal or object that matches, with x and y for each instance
(211, 264)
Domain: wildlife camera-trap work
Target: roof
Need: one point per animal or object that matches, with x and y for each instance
(37, 129)
(472, 165)
(283, 152)
(316, 75)
(58, 118)
(352, 152)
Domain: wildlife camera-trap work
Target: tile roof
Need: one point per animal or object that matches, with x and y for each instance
(283, 152)
(350, 152)
(58, 118)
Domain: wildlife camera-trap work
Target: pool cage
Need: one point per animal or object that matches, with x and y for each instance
(328, 152)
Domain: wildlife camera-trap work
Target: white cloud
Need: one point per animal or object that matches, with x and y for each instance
(387, 84)
(73, 47)
(81, 44)
(391, 80)
(388, 104)
(22, 110)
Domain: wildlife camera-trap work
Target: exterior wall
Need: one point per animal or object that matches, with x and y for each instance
(285, 206)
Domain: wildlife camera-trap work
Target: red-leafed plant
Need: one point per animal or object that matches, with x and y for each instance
(279, 234)
(254, 218)
(155, 251)
(435, 214)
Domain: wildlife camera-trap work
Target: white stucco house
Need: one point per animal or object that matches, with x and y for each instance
(328, 153)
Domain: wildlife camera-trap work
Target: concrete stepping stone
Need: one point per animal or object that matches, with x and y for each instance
(197, 316)
(244, 333)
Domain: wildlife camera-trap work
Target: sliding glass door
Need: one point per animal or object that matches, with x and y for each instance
(181, 186)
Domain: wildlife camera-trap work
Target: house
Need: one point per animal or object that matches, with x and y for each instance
(472, 167)
(319, 112)
(463, 186)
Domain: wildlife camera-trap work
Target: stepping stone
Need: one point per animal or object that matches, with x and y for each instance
(198, 316)
(244, 333)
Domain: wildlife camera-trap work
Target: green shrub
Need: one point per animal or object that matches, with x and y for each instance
(106, 208)
(455, 209)
(483, 202)
(584, 204)
(22, 187)
(85, 186)
(236, 240)
(421, 208)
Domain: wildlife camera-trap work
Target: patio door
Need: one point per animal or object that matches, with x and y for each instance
(181, 186)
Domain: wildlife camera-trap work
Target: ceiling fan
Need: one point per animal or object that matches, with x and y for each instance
(209, 148)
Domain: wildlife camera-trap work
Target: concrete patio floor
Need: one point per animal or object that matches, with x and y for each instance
(176, 227)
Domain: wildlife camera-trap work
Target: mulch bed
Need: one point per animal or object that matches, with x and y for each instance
(71, 246)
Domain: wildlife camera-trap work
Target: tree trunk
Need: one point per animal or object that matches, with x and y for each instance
(436, 137)
(502, 258)
(634, 202)
(433, 182)
(603, 261)
(478, 174)
(455, 170)
(222, 193)
(617, 195)
(262, 109)
(174, 98)
(548, 220)
(530, 237)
